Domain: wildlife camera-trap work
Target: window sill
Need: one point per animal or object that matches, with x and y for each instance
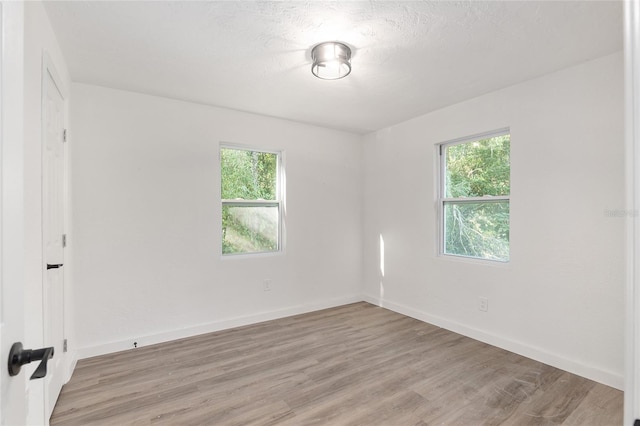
(474, 260)
(240, 256)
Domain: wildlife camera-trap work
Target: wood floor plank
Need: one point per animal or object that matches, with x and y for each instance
(602, 405)
(352, 365)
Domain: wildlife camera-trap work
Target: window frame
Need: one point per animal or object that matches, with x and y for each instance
(278, 202)
(442, 199)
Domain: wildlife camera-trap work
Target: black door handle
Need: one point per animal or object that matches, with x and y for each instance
(54, 266)
(19, 357)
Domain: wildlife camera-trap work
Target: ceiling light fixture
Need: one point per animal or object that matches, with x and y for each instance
(331, 60)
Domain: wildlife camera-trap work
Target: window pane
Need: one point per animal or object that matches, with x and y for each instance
(477, 229)
(249, 229)
(478, 169)
(249, 175)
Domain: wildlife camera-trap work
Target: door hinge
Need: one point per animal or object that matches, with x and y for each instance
(64, 240)
(64, 135)
(65, 345)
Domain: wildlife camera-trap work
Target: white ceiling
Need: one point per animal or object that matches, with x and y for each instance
(409, 57)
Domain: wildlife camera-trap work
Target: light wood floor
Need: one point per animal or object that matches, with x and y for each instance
(352, 365)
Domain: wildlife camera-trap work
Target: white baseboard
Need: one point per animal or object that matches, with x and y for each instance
(152, 339)
(601, 376)
(71, 360)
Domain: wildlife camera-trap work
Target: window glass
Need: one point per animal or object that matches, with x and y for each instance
(251, 219)
(474, 200)
(477, 229)
(249, 175)
(478, 168)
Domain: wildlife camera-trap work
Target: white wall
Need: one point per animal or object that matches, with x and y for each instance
(146, 205)
(39, 40)
(560, 298)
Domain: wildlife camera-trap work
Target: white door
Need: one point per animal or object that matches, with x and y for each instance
(13, 390)
(53, 230)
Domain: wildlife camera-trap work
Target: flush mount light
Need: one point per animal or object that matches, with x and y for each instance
(331, 60)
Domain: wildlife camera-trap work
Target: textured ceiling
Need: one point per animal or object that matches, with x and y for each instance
(409, 57)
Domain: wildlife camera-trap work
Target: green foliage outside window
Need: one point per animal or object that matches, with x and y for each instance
(249, 176)
(479, 169)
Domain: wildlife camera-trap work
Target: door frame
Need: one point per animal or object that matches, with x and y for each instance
(632, 154)
(13, 391)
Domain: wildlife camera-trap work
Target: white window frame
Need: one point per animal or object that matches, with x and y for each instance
(278, 202)
(442, 199)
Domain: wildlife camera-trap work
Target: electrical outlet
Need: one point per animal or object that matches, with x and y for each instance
(266, 286)
(483, 304)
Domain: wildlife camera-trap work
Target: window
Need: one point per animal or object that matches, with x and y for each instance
(474, 197)
(251, 206)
